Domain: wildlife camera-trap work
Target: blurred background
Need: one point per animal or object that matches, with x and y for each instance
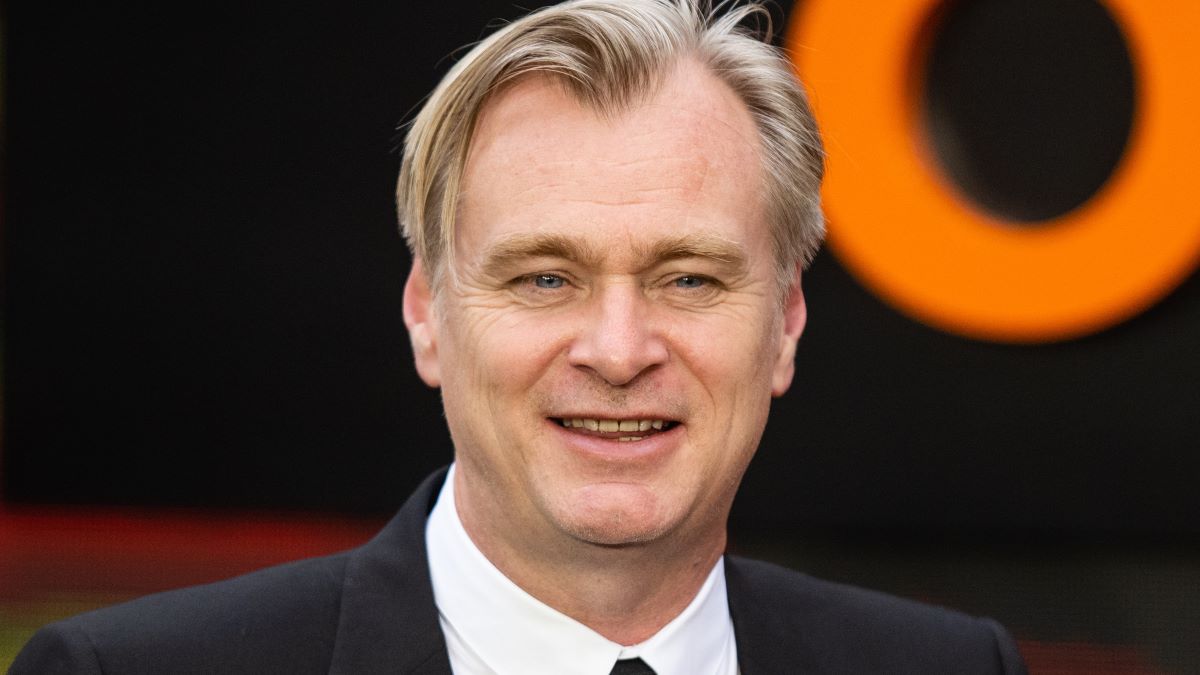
(205, 368)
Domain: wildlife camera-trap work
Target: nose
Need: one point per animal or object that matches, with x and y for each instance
(618, 340)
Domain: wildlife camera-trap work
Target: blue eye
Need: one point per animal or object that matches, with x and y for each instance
(690, 282)
(548, 281)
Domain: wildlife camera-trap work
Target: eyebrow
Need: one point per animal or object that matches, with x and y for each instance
(522, 246)
(527, 245)
(699, 245)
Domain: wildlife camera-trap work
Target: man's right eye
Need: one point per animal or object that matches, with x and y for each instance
(549, 281)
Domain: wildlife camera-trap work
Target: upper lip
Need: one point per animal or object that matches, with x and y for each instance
(614, 416)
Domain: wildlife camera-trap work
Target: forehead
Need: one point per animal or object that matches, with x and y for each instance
(686, 159)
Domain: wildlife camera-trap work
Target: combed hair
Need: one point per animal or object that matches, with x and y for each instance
(610, 54)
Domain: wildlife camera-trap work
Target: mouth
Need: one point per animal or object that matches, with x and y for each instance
(622, 430)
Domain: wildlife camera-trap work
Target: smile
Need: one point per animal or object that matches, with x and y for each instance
(621, 430)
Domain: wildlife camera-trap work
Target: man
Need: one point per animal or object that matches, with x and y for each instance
(609, 204)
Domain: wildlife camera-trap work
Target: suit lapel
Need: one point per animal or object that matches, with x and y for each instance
(389, 622)
(771, 637)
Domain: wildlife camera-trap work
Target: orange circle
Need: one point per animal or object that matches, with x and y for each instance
(904, 232)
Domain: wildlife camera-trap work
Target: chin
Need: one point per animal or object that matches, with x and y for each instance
(616, 515)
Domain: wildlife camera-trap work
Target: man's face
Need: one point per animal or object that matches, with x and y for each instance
(611, 333)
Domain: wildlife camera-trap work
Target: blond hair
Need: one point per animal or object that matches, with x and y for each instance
(609, 53)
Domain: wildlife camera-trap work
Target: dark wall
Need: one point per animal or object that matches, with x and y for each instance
(203, 287)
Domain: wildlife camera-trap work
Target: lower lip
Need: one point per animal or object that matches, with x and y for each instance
(651, 446)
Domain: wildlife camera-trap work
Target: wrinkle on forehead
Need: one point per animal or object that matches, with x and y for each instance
(546, 179)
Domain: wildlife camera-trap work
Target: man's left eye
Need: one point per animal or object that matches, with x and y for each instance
(690, 281)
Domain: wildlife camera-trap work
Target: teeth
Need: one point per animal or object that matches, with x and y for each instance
(626, 439)
(611, 426)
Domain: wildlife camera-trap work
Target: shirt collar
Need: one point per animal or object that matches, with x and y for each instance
(490, 620)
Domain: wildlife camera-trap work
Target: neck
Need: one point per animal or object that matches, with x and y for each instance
(625, 592)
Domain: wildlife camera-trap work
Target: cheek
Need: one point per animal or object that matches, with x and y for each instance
(495, 356)
(728, 353)
(731, 363)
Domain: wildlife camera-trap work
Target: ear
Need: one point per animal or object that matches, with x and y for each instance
(795, 314)
(421, 321)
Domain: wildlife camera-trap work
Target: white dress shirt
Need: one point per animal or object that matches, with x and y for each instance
(493, 627)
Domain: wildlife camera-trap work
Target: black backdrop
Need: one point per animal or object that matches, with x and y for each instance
(202, 286)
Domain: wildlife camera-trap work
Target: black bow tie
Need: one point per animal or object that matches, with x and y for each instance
(632, 667)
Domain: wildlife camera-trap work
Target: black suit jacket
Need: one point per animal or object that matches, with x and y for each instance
(371, 610)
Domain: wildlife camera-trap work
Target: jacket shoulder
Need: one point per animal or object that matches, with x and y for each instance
(277, 620)
(826, 627)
